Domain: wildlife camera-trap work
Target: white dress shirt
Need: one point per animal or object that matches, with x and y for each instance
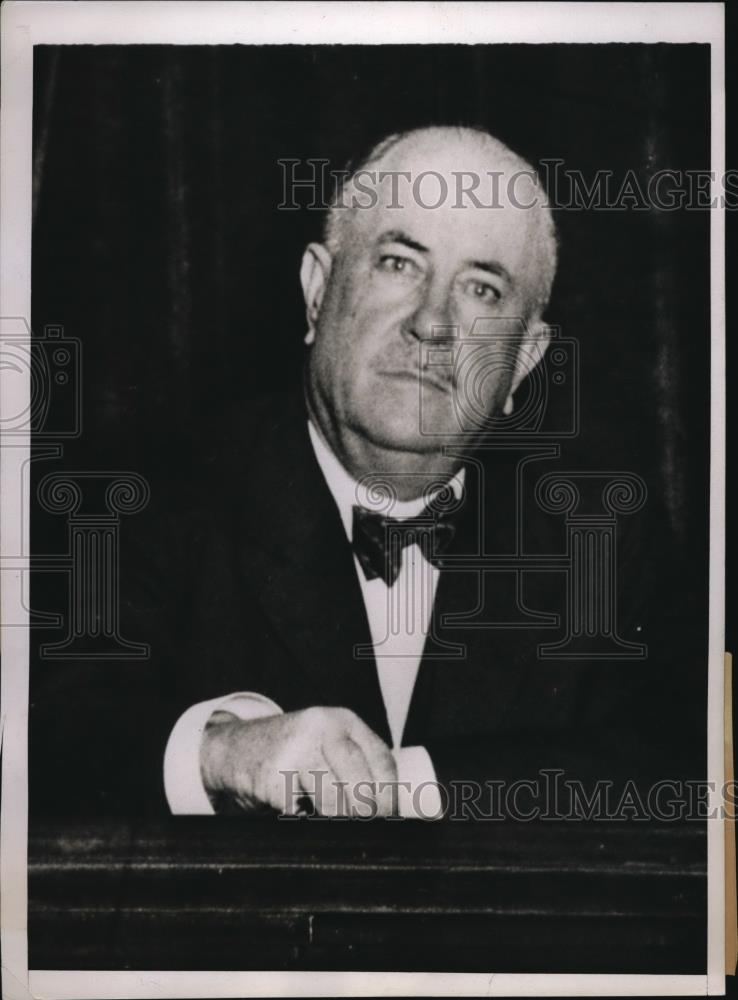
(399, 617)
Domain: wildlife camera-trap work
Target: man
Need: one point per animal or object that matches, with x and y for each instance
(328, 626)
(399, 270)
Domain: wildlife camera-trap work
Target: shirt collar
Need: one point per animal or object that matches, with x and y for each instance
(347, 492)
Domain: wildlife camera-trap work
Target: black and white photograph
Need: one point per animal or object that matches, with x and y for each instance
(363, 428)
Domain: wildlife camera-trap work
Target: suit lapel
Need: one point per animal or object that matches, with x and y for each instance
(293, 546)
(472, 666)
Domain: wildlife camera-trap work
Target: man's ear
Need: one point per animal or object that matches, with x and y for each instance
(533, 346)
(314, 272)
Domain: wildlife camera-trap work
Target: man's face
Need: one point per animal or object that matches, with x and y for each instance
(405, 276)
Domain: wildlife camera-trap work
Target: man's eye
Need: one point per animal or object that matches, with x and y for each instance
(391, 263)
(482, 291)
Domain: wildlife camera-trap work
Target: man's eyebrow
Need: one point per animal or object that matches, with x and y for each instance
(491, 267)
(397, 236)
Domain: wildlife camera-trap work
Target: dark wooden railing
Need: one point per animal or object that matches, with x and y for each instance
(238, 893)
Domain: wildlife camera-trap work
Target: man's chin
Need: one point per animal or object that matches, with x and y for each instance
(404, 431)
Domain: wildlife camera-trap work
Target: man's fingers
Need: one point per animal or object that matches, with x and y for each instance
(381, 764)
(348, 762)
(283, 789)
(322, 784)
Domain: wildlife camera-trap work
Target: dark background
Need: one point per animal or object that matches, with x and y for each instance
(159, 244)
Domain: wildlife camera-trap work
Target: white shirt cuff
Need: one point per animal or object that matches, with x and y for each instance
(183, 785)
(418, 793)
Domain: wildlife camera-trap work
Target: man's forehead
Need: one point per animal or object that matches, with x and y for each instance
(436, 216)
(441, 177)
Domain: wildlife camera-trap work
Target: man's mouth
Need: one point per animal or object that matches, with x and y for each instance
(416, 377)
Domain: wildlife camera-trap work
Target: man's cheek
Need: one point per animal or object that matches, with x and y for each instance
(481, 380)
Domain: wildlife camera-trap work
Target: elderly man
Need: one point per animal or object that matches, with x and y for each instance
(358, 671)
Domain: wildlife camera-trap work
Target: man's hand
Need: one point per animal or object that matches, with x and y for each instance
(268, 762)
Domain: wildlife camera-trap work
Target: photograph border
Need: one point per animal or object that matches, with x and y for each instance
(187, 23)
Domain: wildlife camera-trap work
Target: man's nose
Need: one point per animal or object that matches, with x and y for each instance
(432, 317)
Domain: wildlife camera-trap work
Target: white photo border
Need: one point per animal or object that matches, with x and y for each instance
(25, 24)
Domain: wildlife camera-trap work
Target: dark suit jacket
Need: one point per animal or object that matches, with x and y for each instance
(245, 581)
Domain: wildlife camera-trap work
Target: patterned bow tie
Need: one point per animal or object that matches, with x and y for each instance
(378, 541)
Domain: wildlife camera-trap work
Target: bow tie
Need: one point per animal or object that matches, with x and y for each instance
(378, 541)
